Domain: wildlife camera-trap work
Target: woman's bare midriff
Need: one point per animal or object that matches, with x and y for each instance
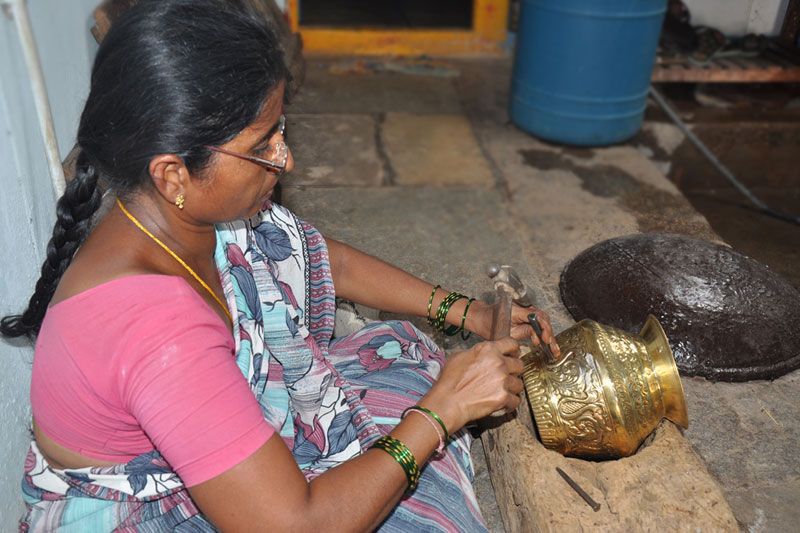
(63, 458)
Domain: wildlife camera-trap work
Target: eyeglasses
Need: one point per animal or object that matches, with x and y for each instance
(277, 153)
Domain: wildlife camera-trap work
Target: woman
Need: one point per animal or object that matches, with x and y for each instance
(146, 323)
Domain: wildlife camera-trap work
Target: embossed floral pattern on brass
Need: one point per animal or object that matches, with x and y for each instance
(608, 391)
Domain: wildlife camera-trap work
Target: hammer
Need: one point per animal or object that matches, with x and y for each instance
(509, 289)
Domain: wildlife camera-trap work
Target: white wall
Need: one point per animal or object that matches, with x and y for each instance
(739, 17)
(27, 202)
(766, 16)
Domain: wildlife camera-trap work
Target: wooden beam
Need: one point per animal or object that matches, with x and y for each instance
(293, 11)
(490, 19)
(770, 74)
(397, 42)
(776, 63)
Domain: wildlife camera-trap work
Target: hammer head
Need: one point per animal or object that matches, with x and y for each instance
(506, 276)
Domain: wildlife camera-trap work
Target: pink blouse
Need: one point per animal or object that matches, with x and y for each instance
(143, 362)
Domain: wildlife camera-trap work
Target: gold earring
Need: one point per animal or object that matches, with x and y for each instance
(180, 200)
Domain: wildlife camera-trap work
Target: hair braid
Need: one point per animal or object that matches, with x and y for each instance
(74, 212)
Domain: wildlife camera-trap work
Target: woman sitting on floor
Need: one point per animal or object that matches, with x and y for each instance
(146, 323)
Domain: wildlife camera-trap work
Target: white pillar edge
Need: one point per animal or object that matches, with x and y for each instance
(19, 12)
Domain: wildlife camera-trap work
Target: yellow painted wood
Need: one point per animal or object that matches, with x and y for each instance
(490, 19)
(485, 38)
(293, 10)
(401, 43)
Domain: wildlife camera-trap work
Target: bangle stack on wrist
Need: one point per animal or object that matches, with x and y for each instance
(439, 320)
(403, 456)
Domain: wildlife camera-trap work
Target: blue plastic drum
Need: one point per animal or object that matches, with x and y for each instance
(582, 68)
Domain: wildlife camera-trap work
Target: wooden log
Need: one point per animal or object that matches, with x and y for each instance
(665, 486)
(716, 74)
(646, 491)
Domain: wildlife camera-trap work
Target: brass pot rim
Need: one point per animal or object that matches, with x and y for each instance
(666, 371)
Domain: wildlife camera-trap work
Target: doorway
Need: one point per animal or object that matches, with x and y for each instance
(386, 13)
(401, 27)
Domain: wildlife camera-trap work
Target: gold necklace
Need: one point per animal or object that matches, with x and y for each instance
(176, 257)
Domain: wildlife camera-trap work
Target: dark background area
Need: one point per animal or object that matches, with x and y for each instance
(387, 13)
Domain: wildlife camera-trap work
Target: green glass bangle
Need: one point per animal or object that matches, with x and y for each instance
(464, 320)
(403, 456)
(430, 301)
(452, 330)
(433, 415)
(444, 306)
(438, 319)
(441, 313)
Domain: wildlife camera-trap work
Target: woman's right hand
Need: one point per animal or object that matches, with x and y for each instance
(477, 382)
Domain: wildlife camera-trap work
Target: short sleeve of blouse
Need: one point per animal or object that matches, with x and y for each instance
(179, 379)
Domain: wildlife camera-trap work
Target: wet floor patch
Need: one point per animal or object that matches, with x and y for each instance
(655, 210)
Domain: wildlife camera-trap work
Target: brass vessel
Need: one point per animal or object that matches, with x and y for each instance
(607, 392)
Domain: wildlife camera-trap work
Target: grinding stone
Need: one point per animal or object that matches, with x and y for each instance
(727, 317)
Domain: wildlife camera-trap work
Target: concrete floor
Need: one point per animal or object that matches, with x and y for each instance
(428, 173)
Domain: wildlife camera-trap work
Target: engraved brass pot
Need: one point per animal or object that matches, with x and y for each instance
(608, 391)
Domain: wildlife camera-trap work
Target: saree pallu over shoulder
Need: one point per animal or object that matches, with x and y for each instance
(276, 276)
(329, 398)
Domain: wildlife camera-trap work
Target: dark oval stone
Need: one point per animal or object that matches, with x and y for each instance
(727, 317)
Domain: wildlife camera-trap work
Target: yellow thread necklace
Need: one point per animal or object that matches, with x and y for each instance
(176, 257)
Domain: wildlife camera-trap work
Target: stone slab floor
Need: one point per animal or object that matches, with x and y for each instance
(428, 173)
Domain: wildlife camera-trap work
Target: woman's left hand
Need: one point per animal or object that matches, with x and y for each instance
(479, 321)
(521, 329)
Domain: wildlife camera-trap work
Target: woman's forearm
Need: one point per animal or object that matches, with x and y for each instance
(369, 281)
(268, 491)
(373, 481)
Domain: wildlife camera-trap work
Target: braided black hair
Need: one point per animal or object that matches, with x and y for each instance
(74, 211)
(171, 76)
